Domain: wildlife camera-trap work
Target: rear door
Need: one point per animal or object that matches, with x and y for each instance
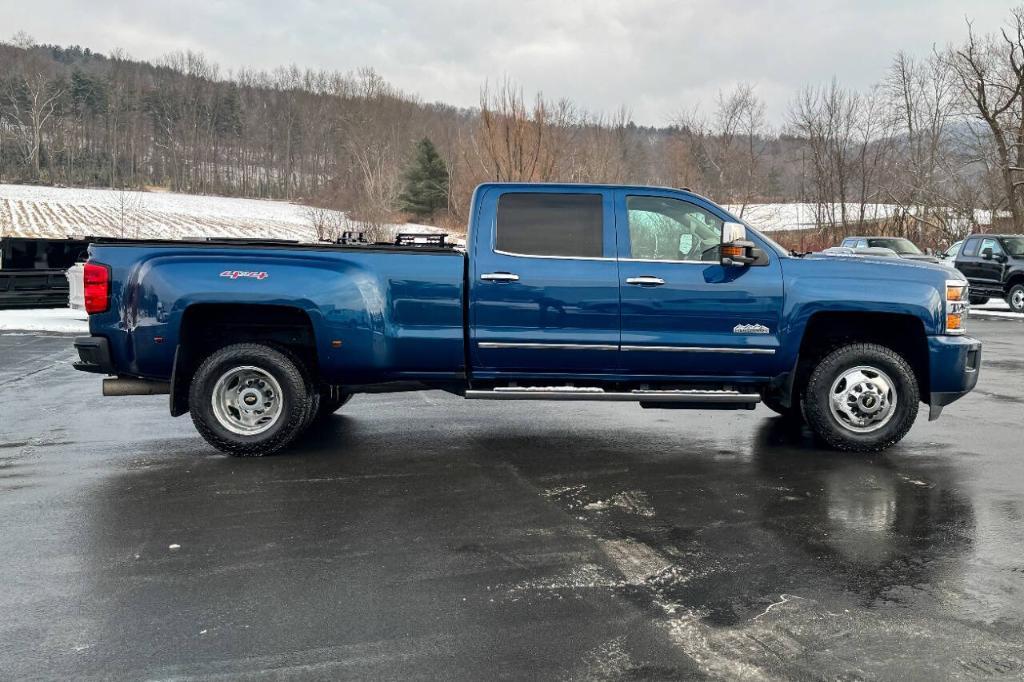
(543, 289)
(968, 259)
(684, 314)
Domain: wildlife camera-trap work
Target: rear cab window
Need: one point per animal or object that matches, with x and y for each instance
(549, 224)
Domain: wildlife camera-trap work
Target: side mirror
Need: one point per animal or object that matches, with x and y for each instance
(736, 250)
(986, 253)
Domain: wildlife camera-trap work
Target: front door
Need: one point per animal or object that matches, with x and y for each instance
(990, 269)
(683, 313)
(543, 283)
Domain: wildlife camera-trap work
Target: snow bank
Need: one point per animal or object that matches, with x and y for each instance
(995, 308)
(62, 320)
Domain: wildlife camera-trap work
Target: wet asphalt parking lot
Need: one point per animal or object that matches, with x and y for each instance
(421, 536)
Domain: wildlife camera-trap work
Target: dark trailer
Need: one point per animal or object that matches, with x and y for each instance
(32, 270)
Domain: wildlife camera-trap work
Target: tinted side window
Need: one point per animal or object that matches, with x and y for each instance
(551, 224)
(970, 247)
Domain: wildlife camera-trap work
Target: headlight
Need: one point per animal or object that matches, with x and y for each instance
(956, 305)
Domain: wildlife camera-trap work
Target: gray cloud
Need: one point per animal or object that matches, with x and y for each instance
(656, 57)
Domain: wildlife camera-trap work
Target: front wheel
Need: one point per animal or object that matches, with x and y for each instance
(248, 399)
(862, 398)
(1015, 298)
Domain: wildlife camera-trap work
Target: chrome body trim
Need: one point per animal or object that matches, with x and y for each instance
(546, 346)
(700, 349)
(610, 347)
(530, 255)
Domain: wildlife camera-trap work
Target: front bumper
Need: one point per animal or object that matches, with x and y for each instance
(954, 365)
(94, 354)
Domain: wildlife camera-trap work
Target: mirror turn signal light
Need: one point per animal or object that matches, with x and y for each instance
(730, 251)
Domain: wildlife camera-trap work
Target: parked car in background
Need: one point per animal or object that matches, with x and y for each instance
(994, 266)
(903, 247)
(868, 251)
(949, 254)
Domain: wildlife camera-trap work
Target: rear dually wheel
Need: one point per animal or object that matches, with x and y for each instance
(249, 399)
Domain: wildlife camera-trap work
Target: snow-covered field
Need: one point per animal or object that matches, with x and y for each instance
(34, 211)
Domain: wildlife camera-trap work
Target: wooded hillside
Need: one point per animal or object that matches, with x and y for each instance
(939, 136)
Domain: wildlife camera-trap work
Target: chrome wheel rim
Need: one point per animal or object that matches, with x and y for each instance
(863, 399)
(1017, 300)
(247, 400)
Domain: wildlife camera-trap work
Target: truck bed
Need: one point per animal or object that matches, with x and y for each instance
(377, 312)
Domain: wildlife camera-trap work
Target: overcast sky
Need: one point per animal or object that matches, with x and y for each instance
(656, 57)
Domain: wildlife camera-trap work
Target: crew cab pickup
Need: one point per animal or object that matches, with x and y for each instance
(994, 267)
(565, 292)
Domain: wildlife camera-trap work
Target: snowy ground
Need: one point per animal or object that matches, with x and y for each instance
(61, 320)
(33, 211)
(996, 307)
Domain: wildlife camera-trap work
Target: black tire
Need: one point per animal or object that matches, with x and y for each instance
(818, 397)
(1015, 298)
(793, 412)
(978, 300)
(330, 404)
(293, 409)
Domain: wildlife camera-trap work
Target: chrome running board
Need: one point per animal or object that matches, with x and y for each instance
(588, 393)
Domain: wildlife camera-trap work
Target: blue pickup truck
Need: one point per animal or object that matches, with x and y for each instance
(648, 295)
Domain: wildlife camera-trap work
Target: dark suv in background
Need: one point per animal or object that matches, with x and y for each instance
(994, 266)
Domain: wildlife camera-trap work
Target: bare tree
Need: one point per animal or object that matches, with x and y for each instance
(729, 144)
(127, 207)
(990, 72)
(32, 99)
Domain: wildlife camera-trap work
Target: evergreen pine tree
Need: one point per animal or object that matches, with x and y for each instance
(426, 182)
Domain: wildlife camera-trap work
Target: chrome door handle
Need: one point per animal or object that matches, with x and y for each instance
(499, 277)
(646, 281)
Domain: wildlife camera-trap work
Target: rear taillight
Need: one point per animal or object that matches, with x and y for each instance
(97, 288)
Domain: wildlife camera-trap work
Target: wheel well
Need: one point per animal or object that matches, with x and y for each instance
(206, 327)
(827, 330)
(1015, 279)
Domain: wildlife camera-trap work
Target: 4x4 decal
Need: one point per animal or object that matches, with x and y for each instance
(248, 274)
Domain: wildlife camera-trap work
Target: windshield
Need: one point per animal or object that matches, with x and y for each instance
(779, 248)
(900, 246)
(1014, 246)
